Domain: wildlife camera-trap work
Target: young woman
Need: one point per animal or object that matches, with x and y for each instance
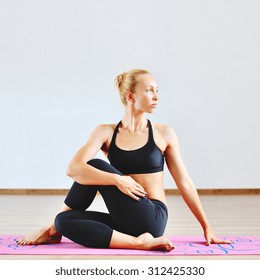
(131, 184)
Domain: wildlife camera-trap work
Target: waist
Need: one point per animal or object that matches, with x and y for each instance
(152, 184)
(149, 181)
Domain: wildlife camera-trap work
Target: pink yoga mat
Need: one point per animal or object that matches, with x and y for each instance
(184, 245)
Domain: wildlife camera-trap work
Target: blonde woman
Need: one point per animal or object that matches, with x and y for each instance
(131, 184)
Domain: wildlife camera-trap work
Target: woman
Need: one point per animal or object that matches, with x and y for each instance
(131, 185)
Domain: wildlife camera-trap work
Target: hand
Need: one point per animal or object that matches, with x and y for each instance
(130, 187)
(212, 239)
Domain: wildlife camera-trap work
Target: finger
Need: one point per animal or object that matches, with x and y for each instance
(225, 241)
(222, 241)
(140, 193)
(139, 187)
(132, 195)
(19, 242)
(141, 190)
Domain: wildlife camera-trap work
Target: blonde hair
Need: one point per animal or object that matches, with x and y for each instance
(127, 82)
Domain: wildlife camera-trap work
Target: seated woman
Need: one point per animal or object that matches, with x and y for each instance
(131, 184)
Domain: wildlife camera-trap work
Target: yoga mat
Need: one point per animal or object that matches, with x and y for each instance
(184, 245)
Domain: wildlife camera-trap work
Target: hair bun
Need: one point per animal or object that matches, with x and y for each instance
(120, 79)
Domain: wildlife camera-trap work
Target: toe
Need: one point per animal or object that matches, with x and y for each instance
(19, 242)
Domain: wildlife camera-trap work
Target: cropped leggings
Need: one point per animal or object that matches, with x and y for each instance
(126, 215)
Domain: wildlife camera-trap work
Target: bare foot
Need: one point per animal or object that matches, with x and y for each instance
(147, 242)
(46, 235)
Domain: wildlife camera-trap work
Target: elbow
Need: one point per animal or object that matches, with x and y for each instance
(75, 171)
(71, 170)
(186, 186)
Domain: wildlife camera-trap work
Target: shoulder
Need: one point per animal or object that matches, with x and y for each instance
(103, 131)
(165, 131)
(105, 127)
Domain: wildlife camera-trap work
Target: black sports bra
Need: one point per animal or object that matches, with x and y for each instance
(147, 159)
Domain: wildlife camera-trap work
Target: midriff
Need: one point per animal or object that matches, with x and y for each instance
(152, 183)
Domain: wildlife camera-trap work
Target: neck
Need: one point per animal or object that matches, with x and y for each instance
(134, 122)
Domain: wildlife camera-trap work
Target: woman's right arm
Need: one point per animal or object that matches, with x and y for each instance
(85, 174)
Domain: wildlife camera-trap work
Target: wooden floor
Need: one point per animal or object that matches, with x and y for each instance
(228, 214)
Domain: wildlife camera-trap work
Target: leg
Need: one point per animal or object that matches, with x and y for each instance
(135, 217)
(141, 227)
(87, 228)
(114, 238)
(143, 216)
(79, 197)
(144, 241)
(46, 235)
(94, 229)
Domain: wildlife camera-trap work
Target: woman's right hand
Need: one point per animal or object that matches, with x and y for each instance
(130, 187)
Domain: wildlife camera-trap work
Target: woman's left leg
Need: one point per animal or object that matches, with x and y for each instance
(87, 228)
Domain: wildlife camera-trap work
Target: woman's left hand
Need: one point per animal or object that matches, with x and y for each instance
(212, 239)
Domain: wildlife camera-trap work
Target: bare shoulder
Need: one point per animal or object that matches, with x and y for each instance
(104, 130)
(105, 127)
(103, 133)
(165, 131)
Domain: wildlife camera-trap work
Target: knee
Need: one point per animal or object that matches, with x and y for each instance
(61, 222)
(97, 163)
(103, 165)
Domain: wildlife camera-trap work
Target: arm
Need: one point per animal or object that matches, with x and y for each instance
(85, 174)
(185, 185)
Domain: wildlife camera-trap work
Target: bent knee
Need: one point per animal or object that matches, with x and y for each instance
(61, 221)
(103, 165)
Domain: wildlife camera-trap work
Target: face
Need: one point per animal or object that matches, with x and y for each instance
(146, 94)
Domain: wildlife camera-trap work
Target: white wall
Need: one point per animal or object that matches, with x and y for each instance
(58, 60)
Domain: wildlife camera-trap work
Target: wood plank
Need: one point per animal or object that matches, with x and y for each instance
(252, 191)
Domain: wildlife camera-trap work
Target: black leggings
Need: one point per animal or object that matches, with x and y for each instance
(126, 215)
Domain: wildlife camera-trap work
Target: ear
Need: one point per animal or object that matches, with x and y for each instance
(130, 96)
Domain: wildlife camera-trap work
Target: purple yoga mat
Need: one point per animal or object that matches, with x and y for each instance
(184, 245)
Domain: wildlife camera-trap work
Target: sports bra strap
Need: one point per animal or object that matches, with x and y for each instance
(150, 132)
(115, 133)
(150, 135)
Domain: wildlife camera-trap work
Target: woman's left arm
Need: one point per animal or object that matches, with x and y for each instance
(185, 185)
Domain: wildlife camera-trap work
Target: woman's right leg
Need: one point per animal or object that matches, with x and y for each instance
(144, 241)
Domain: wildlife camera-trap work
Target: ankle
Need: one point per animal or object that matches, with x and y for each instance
(52, 229)
(137, 242)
